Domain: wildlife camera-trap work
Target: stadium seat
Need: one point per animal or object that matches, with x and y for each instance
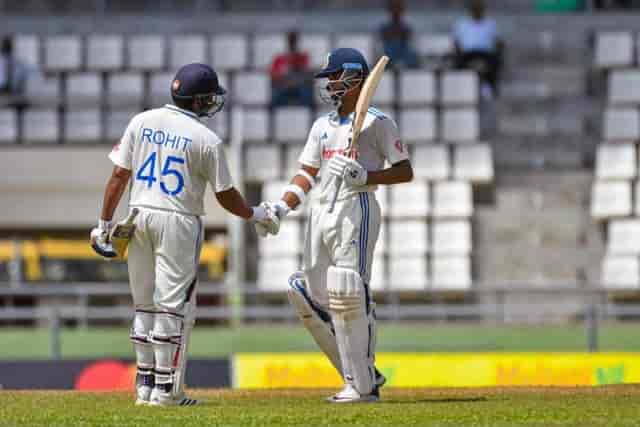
(43, 92)
(410, 200)
(452, 199)
(105, 53)
(614, 49)
(623, 237)
(229, 52)
(408, 273)
(450, 273)
(434, 45)
(417, 88)
(431, 162)
(146, 52)
(385, 94)
(473, 163)
(255, 125)
(262, 162)
(287, 242)
(187, 49)
(621, 125)
(624, 87)
(620, 272)
(8, 126)
(292, 124)
(317, 47)
(616, 161)
(362, 42)
(84, 90)
(265, 49)
(40, 126)
(610, 199)
(63, 53)
(160, 89)
(418, 125)
(451, 237)
(27, 48)
(252, 88)
(127, 90)
(408, 237)
(459, 88)
(274, 273)
(115, 124)
(378, 280)
(460, 125)
(83, 126)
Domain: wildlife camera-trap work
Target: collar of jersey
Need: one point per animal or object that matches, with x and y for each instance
(180, 110)
(335, 118)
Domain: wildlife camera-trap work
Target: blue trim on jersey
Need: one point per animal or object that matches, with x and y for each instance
(180, 110)
(379, 114)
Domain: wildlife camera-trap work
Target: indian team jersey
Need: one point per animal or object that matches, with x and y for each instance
(379, 140)
(172, 156)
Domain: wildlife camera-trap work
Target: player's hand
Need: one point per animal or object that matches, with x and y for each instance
(266, 220)
(352, 173)
(100, 240)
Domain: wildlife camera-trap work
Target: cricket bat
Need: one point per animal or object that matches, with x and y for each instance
(122, 233)
(362, 106)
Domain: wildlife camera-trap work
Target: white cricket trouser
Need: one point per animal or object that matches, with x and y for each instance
(163, 259)
(345, 238)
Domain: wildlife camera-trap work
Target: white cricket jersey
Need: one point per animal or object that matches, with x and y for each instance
(172, 156)
(379, 140)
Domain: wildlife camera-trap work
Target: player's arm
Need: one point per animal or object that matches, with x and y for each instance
(300, 185)
(233, 202)
(398, 173)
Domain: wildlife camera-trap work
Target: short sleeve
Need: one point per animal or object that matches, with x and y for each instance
(389, 141)
(312, 153)
(122, 153)
(218, 169)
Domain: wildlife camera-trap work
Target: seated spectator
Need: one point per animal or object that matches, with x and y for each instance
(479, 47)
(396, 37)
(291, 77)
(603, 4)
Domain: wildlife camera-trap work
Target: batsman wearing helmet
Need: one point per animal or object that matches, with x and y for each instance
(331, 294)
(170, 156)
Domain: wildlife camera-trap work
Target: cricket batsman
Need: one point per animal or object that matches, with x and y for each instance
(170, 156)
(331, 295)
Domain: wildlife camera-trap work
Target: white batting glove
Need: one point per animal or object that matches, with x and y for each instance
(100, 240)
(265, 220)
(352, 173)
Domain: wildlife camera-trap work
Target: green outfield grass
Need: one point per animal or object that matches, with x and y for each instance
(603, 406)
(424, 337)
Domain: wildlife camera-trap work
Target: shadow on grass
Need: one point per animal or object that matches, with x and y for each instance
(436, 400)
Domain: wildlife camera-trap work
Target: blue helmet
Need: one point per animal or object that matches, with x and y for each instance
(199, 82)
(353, 69)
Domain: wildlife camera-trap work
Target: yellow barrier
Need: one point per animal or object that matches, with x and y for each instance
(291, 370)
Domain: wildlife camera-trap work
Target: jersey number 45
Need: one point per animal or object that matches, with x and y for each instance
(148, 170)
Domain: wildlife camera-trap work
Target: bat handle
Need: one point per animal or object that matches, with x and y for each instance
(338, 185)
(132, 215)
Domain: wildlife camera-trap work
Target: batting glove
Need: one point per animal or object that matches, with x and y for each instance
(100, 240)
(352, 173)
(265, 219)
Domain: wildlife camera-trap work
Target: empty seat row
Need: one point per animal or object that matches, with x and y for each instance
(292, 124)
(471, 162)
(621, 124)
(417, 199)
(615, 199)
(620, 272)
(624, 87)
(73, 126)
(405, 273)
(398, 237)
(616, 161)
(614, 49)
(225, 51)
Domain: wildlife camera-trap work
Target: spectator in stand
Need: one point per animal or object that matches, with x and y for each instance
(13, 74)
(396, 37)
(291, 77)
(604, 4)
(478, 46)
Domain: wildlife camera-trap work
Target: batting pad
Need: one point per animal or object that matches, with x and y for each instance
(140, 332)
(315, 319)
(347, 298)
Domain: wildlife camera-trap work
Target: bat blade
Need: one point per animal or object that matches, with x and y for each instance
(123, 232)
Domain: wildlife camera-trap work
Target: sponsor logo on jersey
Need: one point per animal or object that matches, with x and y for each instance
(328, 153)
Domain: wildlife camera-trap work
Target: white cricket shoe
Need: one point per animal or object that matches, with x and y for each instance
(350, 395)
(160, 398)
(143, 394)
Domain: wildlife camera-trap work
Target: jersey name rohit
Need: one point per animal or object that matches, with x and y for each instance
(160, 137)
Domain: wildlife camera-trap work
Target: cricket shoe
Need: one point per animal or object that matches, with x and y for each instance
(381, 380)
(160, 398)
(350, 395)
(144, 387)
